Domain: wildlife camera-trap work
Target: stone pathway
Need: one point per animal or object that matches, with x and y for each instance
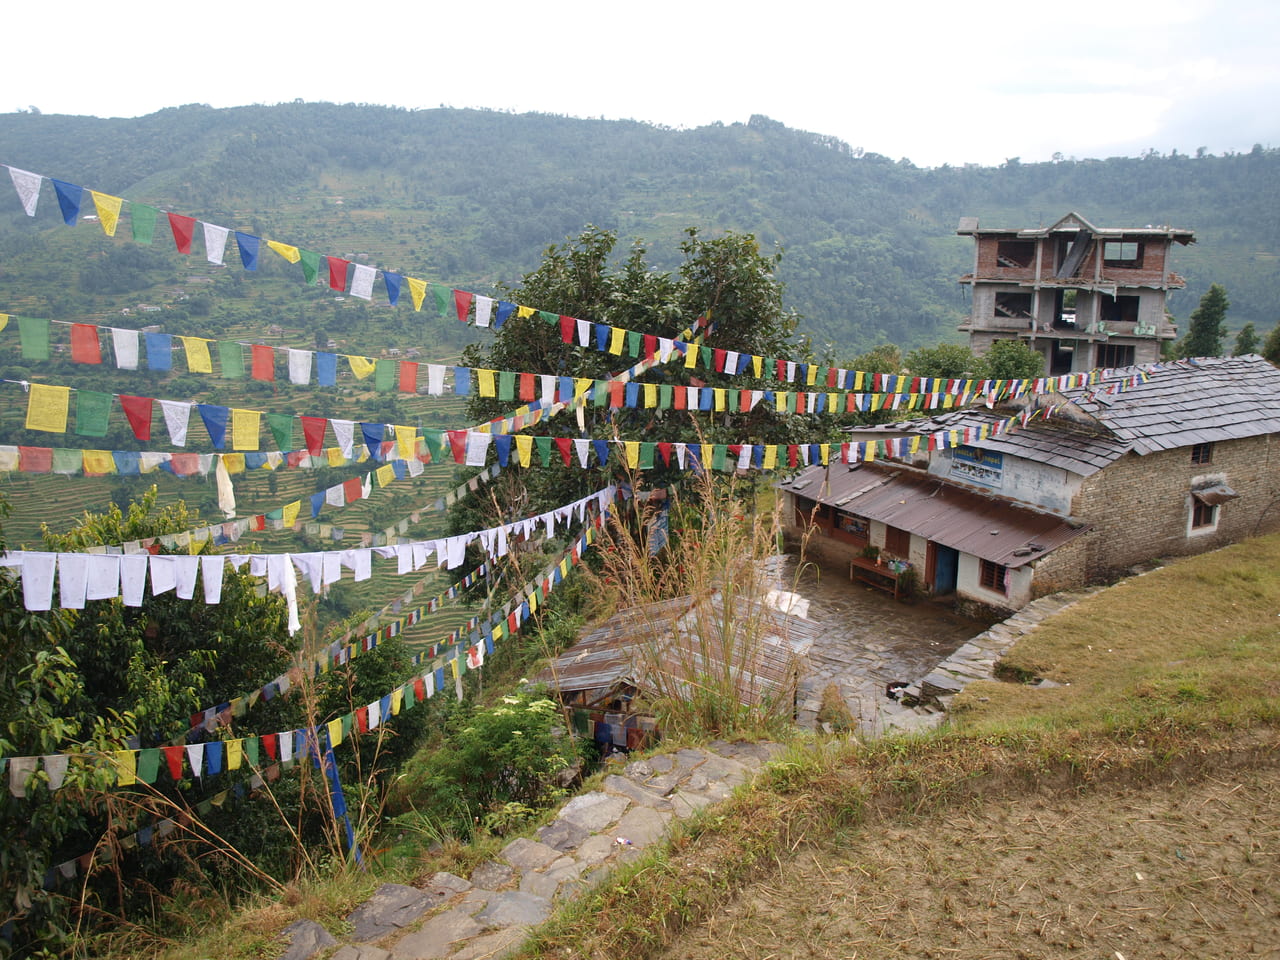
(490, 913)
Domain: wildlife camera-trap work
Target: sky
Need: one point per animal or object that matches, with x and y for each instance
(932, 82)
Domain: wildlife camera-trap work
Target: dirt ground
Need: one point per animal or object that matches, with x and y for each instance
(1187, 870)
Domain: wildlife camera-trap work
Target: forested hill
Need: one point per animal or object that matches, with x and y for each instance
(470, 198)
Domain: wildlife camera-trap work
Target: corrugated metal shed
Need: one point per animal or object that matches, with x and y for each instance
(653, 647)
(986, 527)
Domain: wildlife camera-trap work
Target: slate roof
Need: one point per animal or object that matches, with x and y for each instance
(1206, 400)
(988, 527)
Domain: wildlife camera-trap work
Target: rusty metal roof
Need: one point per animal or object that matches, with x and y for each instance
(661, 646)
(991, 528)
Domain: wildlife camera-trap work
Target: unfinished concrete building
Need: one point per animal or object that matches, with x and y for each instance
(1083, 296)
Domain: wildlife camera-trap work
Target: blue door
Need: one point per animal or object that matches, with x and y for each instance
(946, 561)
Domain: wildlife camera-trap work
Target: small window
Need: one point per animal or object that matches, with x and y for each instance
(897, 542)
(1203, 515)
(993, 576)
(1016, 254)
(1202, 453)
(1114, 355)
(1122, 254)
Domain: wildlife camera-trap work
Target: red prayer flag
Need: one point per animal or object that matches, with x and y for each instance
(719, 356)
(84, 343)
(664, 450)
(184, 464)
(462, 301)
(362, 719)
(264, 362)
(782, 369)
(337, 273)
(458, 445)
(744, 401)
(650, 346)
(183, 228)
(680, 394)
(800, 398)
(419, 689)
(408, 376)
(564, 445)
(528, 387)
(138, 410)
(567, 326)
(313, 434)
(352, 490)
(616, 393)
(793, 453)
(35, 459)
(173, 759)
(269, 741)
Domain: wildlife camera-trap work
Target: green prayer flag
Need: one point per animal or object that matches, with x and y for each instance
(251, 751)
(719, 453)
(143, 220)
(148, 764)
(34, 333)
(68, 462)
(707, 357)
(281, 426)
(441, 295)
(646, 455)
(231, 357)
(92, 412)
(548, 317)
(544, 449)
(633, 342)
(310, 261)
(348, 721)
(435, 442)
(664, 396)
(506, 385)
(600, 393)
(384, 375)
(733, 399)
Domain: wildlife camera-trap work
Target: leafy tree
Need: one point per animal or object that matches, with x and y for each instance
(1208, 325)
(1009, 360)
(1271, 346)
(1247, 340)
(951, 360)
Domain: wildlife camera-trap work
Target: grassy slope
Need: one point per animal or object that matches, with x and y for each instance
(1154, 761)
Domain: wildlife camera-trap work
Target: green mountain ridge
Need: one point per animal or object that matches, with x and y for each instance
(470, 198)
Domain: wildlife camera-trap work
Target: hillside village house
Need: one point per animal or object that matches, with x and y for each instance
(1185, 462)
(1083, 296)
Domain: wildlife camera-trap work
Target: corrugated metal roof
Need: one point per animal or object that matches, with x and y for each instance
(672, 642)
(988, 527)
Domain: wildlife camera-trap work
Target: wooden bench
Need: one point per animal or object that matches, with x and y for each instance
(875, 574)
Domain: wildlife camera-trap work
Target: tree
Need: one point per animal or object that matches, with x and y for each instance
(1247, 340)
(1009, 360)
(950, 360)
(1208, 325)
(1271, 346)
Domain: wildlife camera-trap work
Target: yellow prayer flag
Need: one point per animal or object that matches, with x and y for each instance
(690, 356)
(780, 400)
(857, 380)
(524, 448)
(615, 340)
(633, 453)
(708, 451)
(245, 429)
(335, 456)
(126, 768)
(915, 444)
(285, 250)
(499, 632)
(581, 385)
(719, 399)
(386, 474)
(757, 364)
(826, 453)
(108, 208)
(486, 382)
(47, 408)
(650, 395)
(453, 667)
(4, 320)
(406, 442)
(289, 512)
(197, 350)
(397, 698)
(869, 451)
(812, 376)
(235, 754)
(417, 290)
(234, 462)
(525, 313)
(771, 456)
(98, 462)
(335, 730)
(361, 366)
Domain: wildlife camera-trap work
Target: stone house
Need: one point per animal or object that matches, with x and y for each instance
(1184, 462)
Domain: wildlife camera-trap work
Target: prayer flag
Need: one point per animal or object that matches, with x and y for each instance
(33, 336)
(231, 359)
(248, 245)
(310, 265)
(93, 410)
(245, 429)
(138, 411)
(69, 197)
(47, 408)
(28, 186)
(285, 250)
(263, 362)
(142, 220)
(183, 229)
(338, 273)
(108, 208)
(84, 343)
(197, 351)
